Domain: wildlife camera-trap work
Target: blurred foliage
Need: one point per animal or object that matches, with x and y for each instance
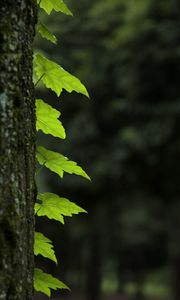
(128, 54)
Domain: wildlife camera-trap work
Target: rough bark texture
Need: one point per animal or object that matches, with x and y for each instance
(17, 147)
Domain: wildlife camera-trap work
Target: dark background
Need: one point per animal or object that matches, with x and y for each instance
(127, 137)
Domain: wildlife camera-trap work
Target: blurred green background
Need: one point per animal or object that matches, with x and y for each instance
(127, 137)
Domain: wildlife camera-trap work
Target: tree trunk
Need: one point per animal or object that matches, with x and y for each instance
(139, 281)
(177, 279)
(94, 275)
(17, 148)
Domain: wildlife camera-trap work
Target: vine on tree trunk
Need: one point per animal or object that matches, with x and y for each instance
(48, 204)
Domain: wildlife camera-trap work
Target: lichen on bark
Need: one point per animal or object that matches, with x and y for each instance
(17, 149)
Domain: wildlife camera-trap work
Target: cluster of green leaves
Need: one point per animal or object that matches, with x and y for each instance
(50, 205)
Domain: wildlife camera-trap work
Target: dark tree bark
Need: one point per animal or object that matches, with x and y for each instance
(139, 280)
(17, 148)
(94, 272)
(176, 277)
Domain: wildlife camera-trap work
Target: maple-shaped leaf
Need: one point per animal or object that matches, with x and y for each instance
(58, 163)
(46, 34)
(55, 207)
(44, 282)
(44, 247)
(56, 78)
(57, 5)
(47, 120)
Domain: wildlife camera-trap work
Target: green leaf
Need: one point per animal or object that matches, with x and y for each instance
(47, 120)
(58, 163)
(45, 33)
(43, 282)
(56, 78)
(57, 5)
(44, 247)
(55, 207)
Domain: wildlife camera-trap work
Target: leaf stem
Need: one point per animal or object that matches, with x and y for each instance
(39, 170)
(39, 3)
(39, 80)
(37, 210)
